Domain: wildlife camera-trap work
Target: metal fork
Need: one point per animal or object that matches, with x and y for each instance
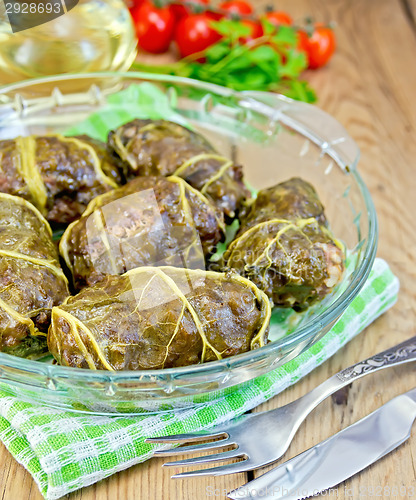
(262, 438)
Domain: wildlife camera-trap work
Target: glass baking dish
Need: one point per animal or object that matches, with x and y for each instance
(275, 138)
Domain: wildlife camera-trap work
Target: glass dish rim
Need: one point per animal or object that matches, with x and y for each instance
(304, 332)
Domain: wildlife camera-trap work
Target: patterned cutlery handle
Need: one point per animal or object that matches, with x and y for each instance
(398, 354)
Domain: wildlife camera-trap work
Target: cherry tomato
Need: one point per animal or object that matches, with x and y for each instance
(154, 27)
(319, 46)
(278, 18)
(237, 7)
(134, 6)
(256, 30)
(182, 8)
(131, 4)
(194, 34)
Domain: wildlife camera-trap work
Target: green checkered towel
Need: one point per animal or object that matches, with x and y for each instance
(65, 451)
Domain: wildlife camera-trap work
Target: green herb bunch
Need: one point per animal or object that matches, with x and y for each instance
(271, 62)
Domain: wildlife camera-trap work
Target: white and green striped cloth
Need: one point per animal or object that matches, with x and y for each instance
(65, 451)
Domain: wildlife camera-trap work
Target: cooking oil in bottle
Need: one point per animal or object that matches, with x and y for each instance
(96, 35)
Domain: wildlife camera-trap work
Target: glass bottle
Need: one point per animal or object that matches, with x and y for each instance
(95, 35)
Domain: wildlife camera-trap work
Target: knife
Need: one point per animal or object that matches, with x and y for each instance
(338, 457)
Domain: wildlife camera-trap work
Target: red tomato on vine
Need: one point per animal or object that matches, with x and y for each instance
(183, 8)
(154, 27)
(318, 46)
(194, 34)
(278, 18)
(237, 7)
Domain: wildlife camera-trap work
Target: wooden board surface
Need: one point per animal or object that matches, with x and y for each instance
(370, 87)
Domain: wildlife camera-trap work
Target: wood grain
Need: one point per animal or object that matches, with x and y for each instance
(370, 88)
(409, 7)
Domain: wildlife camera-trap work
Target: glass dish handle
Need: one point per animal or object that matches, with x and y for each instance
(314, 123)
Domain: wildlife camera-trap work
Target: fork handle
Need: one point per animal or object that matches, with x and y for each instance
(396, 355)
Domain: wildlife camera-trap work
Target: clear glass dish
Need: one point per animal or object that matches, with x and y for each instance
(275, 138)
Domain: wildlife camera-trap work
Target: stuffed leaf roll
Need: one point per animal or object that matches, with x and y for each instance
(285, 247)
(59, 175)
(149, 221)
(159, 317)
(31, 280)
(146, 147)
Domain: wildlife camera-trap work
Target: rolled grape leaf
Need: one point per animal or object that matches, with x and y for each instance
(284, 245)
(159, 317)
(59, 175)
(146, 147)
(149, 221)
(31, 280)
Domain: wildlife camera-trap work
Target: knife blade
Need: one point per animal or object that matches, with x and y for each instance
(337, 458)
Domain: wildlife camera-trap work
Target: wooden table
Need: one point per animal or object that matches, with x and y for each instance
(370, 87)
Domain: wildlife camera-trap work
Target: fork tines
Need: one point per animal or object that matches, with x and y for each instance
(195, 448)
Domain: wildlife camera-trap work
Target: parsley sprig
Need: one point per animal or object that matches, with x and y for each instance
(271, 62)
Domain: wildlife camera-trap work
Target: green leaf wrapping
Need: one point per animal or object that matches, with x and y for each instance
(285, 247)
(59, 175)
(163, 317)
(31, 280)
(160, 147)
(149, 221)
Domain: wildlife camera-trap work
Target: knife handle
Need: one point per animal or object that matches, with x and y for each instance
(396, 355)
(337, 458)
(401, 353)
